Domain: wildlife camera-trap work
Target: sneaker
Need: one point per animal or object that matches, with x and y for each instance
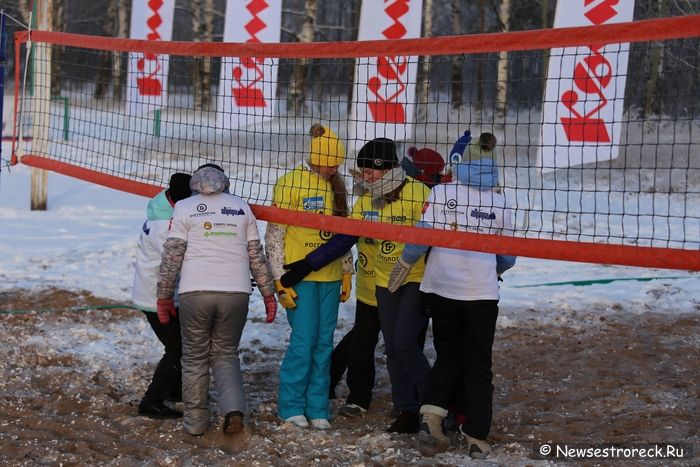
(351, 410)
(159, 412)
(298, 420)
(477, 448)
(320, 423)
(233, 423)
(406, 422)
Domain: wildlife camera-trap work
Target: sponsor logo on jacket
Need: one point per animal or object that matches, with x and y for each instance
(313, 203)
(232, 212)
(370, 215)
(477, 214)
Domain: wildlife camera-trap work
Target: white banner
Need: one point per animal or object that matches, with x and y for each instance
(148, 73)
(384, 96)
(248, 85)
(585, 90)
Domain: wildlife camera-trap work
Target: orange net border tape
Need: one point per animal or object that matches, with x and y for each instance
(666, 258)
(637, 31)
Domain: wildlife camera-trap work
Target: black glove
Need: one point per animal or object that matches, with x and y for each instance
(296, 272)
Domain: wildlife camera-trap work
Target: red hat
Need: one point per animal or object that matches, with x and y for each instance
(428, 163)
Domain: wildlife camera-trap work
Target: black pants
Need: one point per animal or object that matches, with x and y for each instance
(166, 383)
(355, 352)
(403, 322)
(463, 333)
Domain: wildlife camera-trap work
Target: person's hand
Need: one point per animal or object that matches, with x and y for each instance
(296, 272)
(270, 307)
(398, 275)
(286, 296)
(166, 309)
(346, 288)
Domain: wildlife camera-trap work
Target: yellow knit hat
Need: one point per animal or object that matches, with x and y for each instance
(326, 149)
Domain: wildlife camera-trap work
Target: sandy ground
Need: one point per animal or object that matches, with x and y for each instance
(621, 379)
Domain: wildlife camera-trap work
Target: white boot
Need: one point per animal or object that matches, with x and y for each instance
(431, 426)
(477, 448)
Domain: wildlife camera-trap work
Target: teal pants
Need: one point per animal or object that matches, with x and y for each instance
(305, 370)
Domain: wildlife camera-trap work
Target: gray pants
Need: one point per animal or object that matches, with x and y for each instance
(212, 324)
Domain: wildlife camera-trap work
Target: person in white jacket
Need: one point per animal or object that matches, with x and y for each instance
(166, 384)
(213, 246)
(462, 287)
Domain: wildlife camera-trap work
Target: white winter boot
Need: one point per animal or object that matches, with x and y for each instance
(431, 426)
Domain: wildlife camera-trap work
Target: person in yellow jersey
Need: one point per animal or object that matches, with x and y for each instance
(393, 197)
(312, 305)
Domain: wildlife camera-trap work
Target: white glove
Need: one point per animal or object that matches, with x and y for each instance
(398, 275)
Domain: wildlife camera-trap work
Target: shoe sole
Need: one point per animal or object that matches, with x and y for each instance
(429, 446)
(350, 415)
(155, 416)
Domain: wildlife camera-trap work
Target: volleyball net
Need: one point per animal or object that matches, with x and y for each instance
(597, 127)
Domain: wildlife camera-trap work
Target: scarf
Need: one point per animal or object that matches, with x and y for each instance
(385, 185)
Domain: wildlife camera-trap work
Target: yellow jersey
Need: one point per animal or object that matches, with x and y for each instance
(406, 210)
(304, 190)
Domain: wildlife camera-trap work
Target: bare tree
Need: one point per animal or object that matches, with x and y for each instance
(203, 28)
(424, 76)
(356, 5)
(115, 24)
(545, 14)
(104, 75)
(24, 7)
(457, 60)
(122, 31)
(502, 79)
(57, 50)
(295, 96)
(479, 66)
(652, 96)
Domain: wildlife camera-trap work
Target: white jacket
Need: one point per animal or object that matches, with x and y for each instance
(153, 234)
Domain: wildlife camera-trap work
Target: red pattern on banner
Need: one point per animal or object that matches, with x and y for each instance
(246, 93)
(395, 11)
(592, 75)
(391, 71)
(601, 13)
(151, 85)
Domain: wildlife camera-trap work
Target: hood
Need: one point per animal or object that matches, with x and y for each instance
(209, 181)
(159, 208)
(479, 173)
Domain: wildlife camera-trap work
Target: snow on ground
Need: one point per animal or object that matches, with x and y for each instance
(618, 339)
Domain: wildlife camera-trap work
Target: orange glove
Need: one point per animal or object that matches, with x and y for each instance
(346, 288)
(270, 307)
(166, 308)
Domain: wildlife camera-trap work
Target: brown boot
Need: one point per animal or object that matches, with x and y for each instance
(233, 423)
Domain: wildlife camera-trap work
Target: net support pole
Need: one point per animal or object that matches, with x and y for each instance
(41, 107)
(156, 123)
(66, 115)
(3, 63)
